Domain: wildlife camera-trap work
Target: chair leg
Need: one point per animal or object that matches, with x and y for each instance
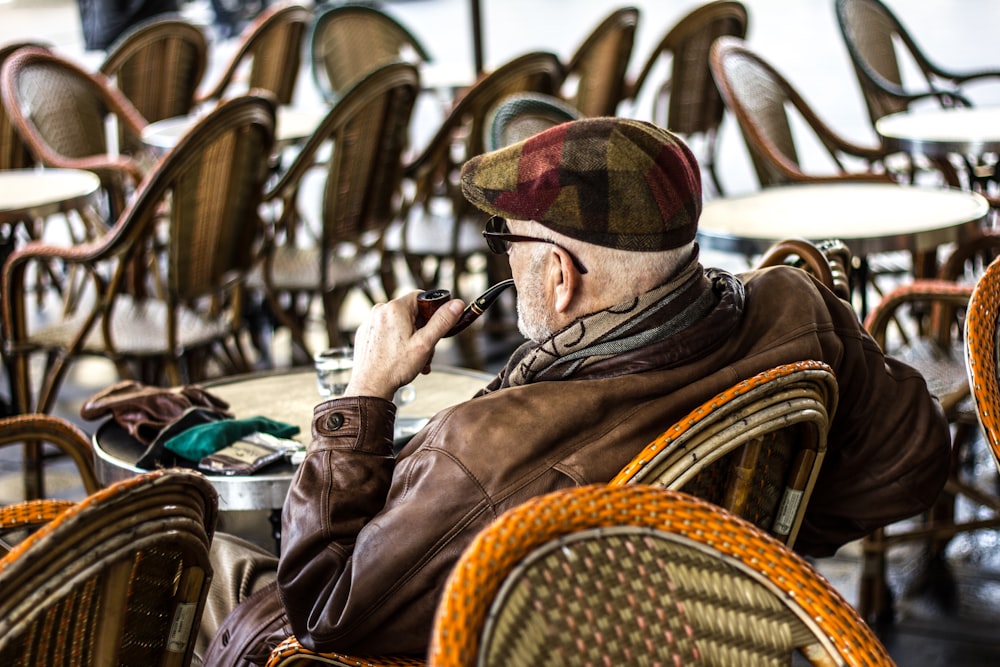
(874, 595)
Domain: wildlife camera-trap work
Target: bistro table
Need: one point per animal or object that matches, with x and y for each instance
(973, 133)
(292, 124)
(286, 396)
(868, 217)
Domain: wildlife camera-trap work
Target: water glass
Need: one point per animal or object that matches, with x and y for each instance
(333, 371)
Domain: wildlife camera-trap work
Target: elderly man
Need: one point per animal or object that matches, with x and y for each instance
(627, 332)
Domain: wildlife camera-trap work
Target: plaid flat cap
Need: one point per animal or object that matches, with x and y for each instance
(613, 182)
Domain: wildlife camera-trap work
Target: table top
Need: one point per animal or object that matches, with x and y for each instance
(938, 132)
(41, 192)
(867, 217)
(292, 124)
(287, 396)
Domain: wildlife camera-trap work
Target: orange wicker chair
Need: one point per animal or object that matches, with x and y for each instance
(349, 41)
(634, 574)
(161, 293)
(981, 357)
(687, 100)
(34, 430)
(369, 128)
(595, 76)
(271, 49)
(159, 65)
(755, 449)
(119, 578)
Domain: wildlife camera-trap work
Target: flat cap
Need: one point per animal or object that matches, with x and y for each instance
(614, 182)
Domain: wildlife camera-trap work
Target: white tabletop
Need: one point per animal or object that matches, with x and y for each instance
(41, 192)
(292, 124)
(868, 217)
(938, 132)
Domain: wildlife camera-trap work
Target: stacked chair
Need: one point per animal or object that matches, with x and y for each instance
(595, 75)
(686, 100)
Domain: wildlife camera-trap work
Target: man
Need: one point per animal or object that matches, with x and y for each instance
(627, 334)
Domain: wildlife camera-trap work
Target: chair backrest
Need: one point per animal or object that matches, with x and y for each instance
(120, 578)
(159, 65)
(755, 449)
(271, 48)
(982, 362)
(14, 152)
(462, 134)
(522, 115)
(764, 104)
(687, 101)
(875, 39)
(829, 261)
(62, 113)
(349, 41)
(639, 575)
(596, 73)
(369, 129)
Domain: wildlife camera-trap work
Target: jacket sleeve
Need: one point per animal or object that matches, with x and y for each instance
(361, 563)
(888, 450)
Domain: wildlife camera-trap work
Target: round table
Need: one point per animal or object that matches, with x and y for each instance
(37, 193)
(868, 217)
(938, 133)
(291, 125)
(286, 396)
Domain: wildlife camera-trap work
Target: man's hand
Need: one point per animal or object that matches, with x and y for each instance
(389, 351)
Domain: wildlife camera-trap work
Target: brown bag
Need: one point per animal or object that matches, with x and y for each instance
(143, 411)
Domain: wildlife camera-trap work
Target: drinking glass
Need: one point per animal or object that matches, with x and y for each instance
(333, 371)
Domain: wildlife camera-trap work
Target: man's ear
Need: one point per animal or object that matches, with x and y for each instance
(565, 280)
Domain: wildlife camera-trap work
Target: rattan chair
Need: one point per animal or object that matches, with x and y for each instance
(922, 324)
(829, 261)
(639, 575)
(523, 115)
(119, 578)
(267, 56)
(62, 113)
(14, 153)
(875, 40)
(686, 99)
(36, 430)
(369, 128)
(160, 294)
(159, 65)
(755, 449)
(349, 41)
(595, 75)
(982, 360)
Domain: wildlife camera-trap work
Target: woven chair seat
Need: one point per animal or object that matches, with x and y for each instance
(944, 371)
(298, 268)
(137, 329)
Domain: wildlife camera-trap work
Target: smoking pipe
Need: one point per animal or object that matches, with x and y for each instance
(431, 300)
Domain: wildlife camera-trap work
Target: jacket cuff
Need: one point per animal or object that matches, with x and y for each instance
(356, 423)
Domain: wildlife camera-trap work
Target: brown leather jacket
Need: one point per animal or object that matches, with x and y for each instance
(369, 539)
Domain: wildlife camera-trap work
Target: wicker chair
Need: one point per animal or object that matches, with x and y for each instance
(754, 449)
(14, 153)
(982, 360)
(61, 111)
(872, 34)
(159, 65)
(160, 294)
(522, 115)
(119, 578)
(595, 76)
(637, 574)
(34, 430)
(922, 324)
(829, 261)
(369, 128)
(688, 101)
(349, 41)
(271, 48)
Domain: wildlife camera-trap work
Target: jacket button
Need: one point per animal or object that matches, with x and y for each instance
(334, 421)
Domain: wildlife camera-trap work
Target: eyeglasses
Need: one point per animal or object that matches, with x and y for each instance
(498, 240)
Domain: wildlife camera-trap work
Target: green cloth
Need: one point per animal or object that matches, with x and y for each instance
(204, 439)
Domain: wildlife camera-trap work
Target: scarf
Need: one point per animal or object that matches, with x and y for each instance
(681, 304)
